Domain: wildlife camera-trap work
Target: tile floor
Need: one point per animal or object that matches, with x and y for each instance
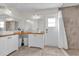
(47, 51)
(73, 52)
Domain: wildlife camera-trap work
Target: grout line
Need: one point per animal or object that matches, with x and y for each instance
(64, 52)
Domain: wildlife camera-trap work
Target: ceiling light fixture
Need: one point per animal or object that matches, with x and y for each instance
(29, 21)
(35, 17)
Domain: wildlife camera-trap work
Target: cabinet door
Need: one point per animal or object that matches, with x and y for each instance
(36, 41)
(11, 25)
(8, 44)
(3, 46)
(12, 43)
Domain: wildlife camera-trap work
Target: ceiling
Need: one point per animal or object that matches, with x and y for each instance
(36, 6)
(23, 8)
(32, 6)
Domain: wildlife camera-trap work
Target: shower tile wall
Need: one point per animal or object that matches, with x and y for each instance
(71, 21)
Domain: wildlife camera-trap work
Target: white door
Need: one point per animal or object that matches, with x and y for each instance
(51, 32)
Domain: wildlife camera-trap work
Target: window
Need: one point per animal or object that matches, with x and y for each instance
(1, 24)
(51, 22)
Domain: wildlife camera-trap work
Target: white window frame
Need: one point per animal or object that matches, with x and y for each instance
(1, 24)
(52, 22)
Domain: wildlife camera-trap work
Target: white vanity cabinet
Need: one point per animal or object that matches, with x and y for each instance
(3, 46)
(12, 43)
(8, 44)
(36, 40)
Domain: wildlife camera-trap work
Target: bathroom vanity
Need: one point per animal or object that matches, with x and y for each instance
(35, 39)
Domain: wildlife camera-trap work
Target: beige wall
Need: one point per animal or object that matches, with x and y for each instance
(71, 21)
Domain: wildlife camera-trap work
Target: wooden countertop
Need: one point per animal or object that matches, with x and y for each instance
(17, 33)
(21, 33)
